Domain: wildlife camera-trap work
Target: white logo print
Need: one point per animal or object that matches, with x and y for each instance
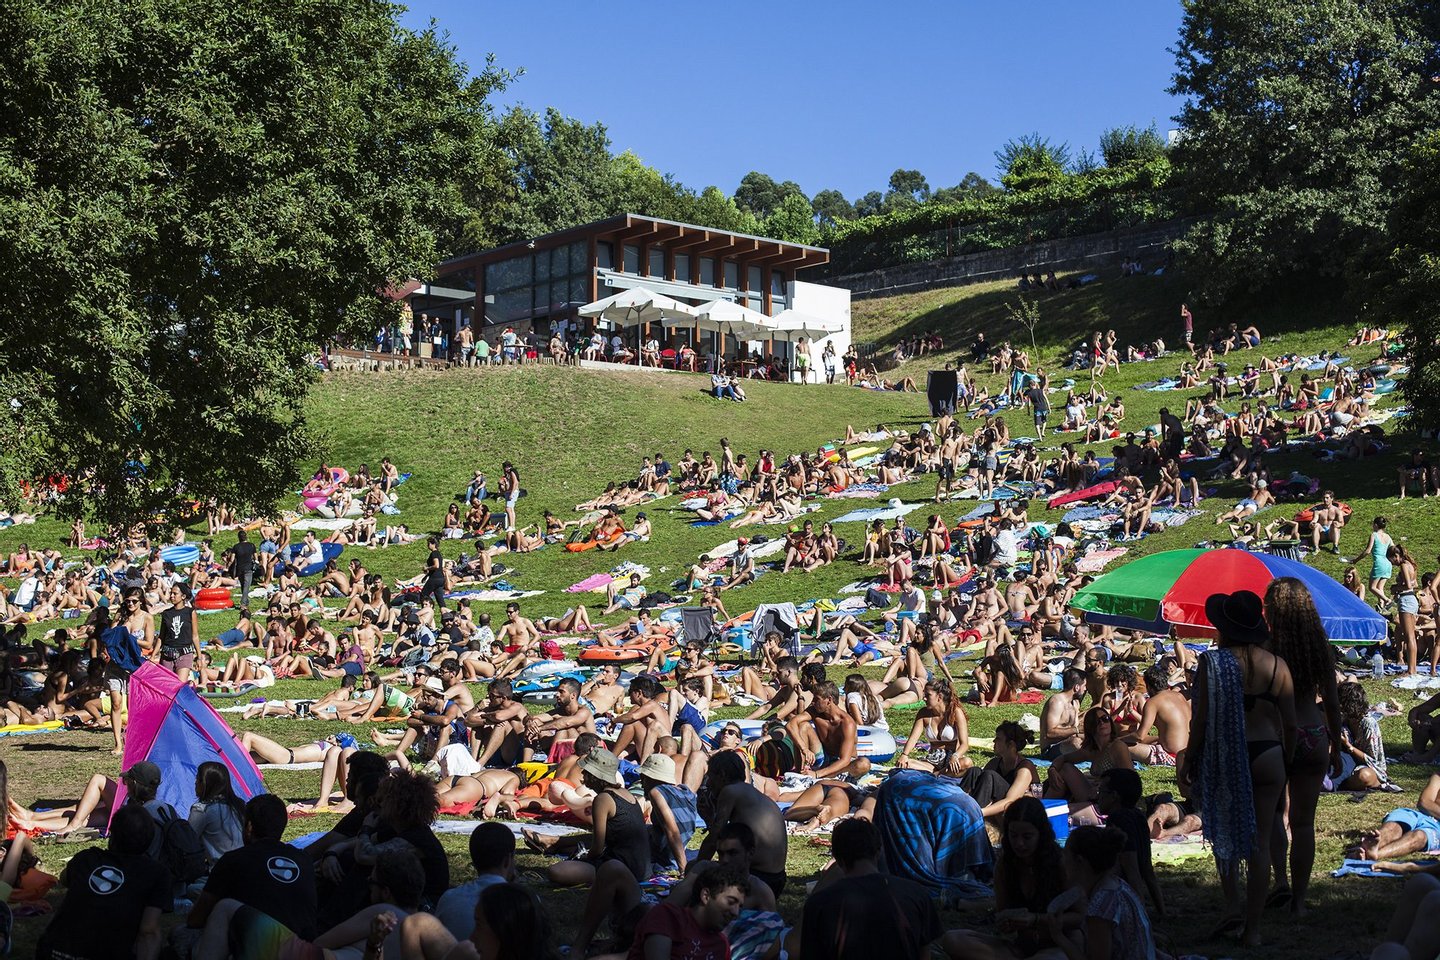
(283, 869)
(106, 880)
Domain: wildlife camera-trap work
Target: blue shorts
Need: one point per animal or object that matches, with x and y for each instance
(861, 649)
(1407, 603)
(909, 615)
(1412, 819)
(352, 668)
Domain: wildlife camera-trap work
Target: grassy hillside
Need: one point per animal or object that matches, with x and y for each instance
(569, 432)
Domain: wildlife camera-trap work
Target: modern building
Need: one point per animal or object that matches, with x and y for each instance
(539, 284)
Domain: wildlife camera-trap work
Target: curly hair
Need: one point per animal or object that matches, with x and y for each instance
(1354, 704)
(407, 799)
(1297, 636)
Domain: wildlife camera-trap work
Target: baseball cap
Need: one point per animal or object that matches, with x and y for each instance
(743, 541)
(144, 773)
(659, 768)
(602, 765)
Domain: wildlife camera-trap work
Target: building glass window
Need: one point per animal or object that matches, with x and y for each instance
(777, 283)
(632, 259)
(707, 271)
(682, 268)
(732, 275)
(604, 255)
(755, 278)
(657, 262)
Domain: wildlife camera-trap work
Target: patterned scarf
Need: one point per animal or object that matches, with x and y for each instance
(1226, 797)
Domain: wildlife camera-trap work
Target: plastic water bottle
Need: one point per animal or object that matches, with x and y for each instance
(1377, 666)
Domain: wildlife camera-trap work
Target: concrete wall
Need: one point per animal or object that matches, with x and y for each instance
(1092, 252)
(829, 303)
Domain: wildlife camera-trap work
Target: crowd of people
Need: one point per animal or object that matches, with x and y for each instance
(964, 615)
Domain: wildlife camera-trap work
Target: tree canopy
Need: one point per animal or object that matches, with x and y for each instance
(1296, 120)
(192, 196)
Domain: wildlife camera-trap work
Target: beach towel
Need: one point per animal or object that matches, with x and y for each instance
(933, 834)
(592, 582)
(1080, 496)
(879, 513)
(1096, 560)
(1226, 795)
(494, 596)
(1366, 868)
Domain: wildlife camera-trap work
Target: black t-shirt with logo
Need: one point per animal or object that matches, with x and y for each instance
(105, 895)
(274, 878)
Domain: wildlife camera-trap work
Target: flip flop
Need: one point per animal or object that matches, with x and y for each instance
(1228, 928)
(533, 842)
(1279, 897)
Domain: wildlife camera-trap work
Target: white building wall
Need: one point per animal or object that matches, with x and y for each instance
(825, 303)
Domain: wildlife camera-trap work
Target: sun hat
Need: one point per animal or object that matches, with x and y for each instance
(1238, 616)
(659, 768)
(434, 685)
(602, 765)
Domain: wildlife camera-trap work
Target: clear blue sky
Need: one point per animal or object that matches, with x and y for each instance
(830, 95)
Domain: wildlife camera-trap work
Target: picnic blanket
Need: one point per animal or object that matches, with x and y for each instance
(496, 596)
(1096, 560)
(24, 729)
(895, 509)
(933, 834)
(860, 491)
(1080, 496)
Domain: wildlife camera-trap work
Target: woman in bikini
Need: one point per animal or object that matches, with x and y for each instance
(1298, 638)
(1241, 692)
(941, 722)
(1102, 748)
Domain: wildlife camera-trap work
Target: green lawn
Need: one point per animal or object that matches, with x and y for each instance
(569, 432)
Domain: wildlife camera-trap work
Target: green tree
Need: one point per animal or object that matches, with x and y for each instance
(645, 190)
(1296, 119)
(759, 194)
(562, 173)
(714, 209)
(793, 220)
(209, 191)
(831, 207)
(972, 185)
(870, 204)
(907, 188)
(1123, 144)
(1031, 161)
(1410, 289)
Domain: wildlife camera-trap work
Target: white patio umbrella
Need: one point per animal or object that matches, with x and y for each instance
(726, 317)
(636, 307)
(792, 325)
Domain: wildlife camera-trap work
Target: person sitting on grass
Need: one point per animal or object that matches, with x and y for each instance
(114, 896)
(1404, 831)
(507, 921)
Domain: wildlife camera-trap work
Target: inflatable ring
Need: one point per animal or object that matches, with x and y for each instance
(180, 554)
(213, 598)
(614, 655)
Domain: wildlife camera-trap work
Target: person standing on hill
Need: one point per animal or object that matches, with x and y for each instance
(510, 489)
(1188, 319)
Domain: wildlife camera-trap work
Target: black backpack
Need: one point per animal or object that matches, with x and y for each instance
(181, 851)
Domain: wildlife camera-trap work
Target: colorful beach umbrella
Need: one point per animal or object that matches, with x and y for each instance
(1169, 589)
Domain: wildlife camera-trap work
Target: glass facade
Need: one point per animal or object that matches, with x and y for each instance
(732, 275)
(707, 271)
(657, 263)
(632, 259)
(536, 285)
(682, 268)
(605, 255)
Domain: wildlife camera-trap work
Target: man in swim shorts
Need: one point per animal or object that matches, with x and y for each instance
(1405, 831)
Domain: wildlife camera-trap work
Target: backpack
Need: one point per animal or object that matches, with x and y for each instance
(181, 851)
(121, 648)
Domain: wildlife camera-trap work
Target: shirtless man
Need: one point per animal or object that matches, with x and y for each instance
(647, 721)
(831, 730)
(455, 688)
(736, 801)
(500, 723)
(785, 698)
(517, 631)
(568, 720)
(604, 691)
(1060, 731)
(951, 447)
(1326, 524)
(1167, 712)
